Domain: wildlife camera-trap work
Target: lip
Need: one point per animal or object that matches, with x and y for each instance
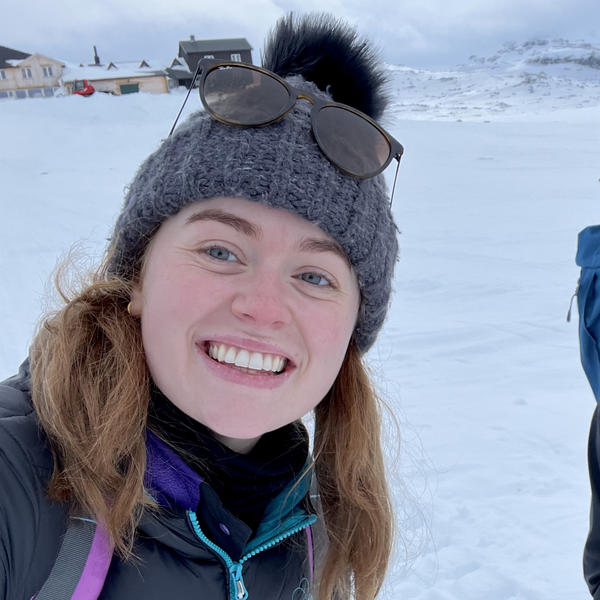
(234, 375)
(251, 345)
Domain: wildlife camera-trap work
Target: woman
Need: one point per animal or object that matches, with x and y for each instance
(249, 270)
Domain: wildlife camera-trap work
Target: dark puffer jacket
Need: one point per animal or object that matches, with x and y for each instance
(182, 554)
(591, 554)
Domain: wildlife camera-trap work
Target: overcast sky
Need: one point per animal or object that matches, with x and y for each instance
(410, 32)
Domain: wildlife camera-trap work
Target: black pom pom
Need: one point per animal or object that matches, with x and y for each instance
(329, 53)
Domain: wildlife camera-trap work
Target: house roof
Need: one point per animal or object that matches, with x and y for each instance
(7, 54)
(208, 46)
(179, 74)
(179, 66)
(114, 70)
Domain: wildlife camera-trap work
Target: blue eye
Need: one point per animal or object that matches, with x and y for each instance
(315, 279)
(220, 253)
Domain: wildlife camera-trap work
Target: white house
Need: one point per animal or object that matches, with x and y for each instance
(24, 75)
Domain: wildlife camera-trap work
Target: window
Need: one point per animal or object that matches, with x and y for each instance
(236, 57)
(47, 71)
(2, 74)
(26, 72)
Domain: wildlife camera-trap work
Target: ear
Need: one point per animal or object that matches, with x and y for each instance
(135, 305)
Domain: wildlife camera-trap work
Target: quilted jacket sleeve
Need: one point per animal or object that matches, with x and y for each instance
(31, 527)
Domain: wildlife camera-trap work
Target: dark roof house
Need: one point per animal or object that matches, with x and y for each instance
(237, 49)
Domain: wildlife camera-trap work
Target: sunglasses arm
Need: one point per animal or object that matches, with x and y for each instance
(397, 157)
(186, 98)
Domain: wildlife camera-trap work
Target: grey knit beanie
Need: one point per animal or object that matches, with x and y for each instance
(280, 166)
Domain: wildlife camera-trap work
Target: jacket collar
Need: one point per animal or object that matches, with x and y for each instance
(178, 488)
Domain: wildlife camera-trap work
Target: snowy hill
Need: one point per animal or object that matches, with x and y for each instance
(519, 80)
(544, 52)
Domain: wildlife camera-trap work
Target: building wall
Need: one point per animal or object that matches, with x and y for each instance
(151, 84)
(9, 78)
(192, 60)
(36, 75)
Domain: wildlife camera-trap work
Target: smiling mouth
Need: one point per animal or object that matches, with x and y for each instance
(256, 363)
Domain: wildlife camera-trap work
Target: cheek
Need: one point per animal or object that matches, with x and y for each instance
(167, 306)
(330, 333)
(176, 295)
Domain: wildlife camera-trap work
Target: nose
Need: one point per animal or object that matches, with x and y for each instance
(262, 302)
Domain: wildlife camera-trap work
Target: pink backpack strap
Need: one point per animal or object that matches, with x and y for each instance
(82, 563)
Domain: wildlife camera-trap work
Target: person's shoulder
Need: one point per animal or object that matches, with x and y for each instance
(15, 395)
(31, 525)
(22, 443)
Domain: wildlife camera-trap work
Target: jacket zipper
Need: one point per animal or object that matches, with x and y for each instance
(237, 587)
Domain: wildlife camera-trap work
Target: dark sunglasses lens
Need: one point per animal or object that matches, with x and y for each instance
(351, 142)
(243, 96)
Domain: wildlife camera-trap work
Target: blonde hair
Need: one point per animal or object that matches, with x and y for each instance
(90, 388)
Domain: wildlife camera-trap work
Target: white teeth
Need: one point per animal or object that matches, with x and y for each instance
(267, 362)
(230, 355)
(256, 361)
(242, 359)
(245, 359)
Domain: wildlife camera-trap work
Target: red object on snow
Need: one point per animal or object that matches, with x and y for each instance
(83, 88)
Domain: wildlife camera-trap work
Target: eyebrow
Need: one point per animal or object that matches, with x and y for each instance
(254, 231)
(323, 245)
(227, 218)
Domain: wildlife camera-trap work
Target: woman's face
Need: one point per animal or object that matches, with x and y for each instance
(246, 314)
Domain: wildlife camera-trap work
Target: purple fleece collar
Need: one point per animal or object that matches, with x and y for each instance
(169, 480)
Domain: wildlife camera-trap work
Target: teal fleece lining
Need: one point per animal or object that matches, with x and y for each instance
(284, 512)
(237, 587)
(283, 518)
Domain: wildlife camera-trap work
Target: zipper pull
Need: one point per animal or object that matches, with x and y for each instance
(241, 593)
(571, 302)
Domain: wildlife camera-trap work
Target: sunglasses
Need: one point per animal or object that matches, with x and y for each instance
(244, 95)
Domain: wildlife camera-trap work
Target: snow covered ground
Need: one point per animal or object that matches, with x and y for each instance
(476, 359)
